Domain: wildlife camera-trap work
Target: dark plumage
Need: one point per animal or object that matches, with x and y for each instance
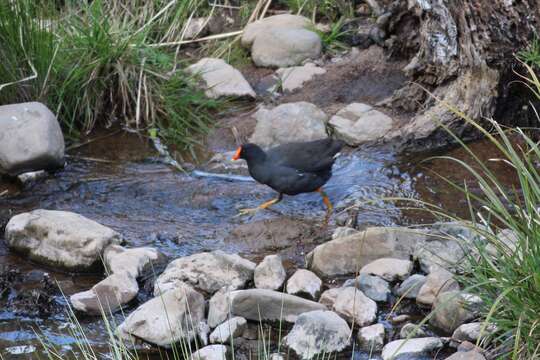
(292, 168)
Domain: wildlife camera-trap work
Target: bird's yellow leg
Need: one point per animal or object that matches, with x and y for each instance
(326, 201)
(260, 207)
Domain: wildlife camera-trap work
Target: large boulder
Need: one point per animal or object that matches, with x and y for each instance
(282, 47)
(437, 282)
(106, 296)
(61, 239)
(262, 304)
(291, 122)
(176, 315)
(410, 347)
(208, 272)
(318, 333)
(348, 254)
(283, 21)
(390, 269)
(221, 79)
(359, 123)
(454, 308)
(30, 139)
(355, 307)
(304, 283)
(270, 273)
(133, 261)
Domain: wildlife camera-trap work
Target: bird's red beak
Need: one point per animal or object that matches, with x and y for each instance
(237, 153)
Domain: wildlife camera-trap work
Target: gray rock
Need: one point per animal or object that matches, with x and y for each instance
(277, 356)
(469, 355)
(355, 307)
(371, 338)
(270, 273)
(30, 139)
(221, 79)
(166, 319)
(32, 177)
(106, 296)
(196, 27)
(438, 281)
(389, 269)
(207, 271)
(133, 261)
(473, 331)
(304, 283)
(318, 332)
(373, 287)
(293, 78)
(410, 287)
(61, 239)
(230, 329)
(454, 308)
(328, 298)
(343, 231)
(219, 307)
(359, 123)
(345, 255)
(291, 122)
(410, 347)
(262, 26)
(411, 330)
(283, 47)
(211, 352)
(263, 305)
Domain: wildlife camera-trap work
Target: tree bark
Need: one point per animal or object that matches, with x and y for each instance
(463, 52)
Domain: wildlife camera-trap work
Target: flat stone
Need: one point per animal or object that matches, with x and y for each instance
(371, 338)
(355, 307)
(304, 283)
(176, 315)
(318, 332)
(359, 123)
(410, 287)
(291, 122)
(221, 79)
(270, 273)
(411, 347)
(106, 296)
(454, 308)
(473, 331)
(211, 352)
(61, 239)
(346, 255)
(373, 287)
(30, 139)
(389, 269)
(133, 261)
(438, 281)
(230, 329)
(208, 272)
(288, 21)
(284, 47)
(293, 78)
(268, 305)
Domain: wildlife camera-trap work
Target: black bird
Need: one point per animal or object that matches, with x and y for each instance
(292, 168)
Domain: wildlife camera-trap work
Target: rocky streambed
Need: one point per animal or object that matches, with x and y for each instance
(162, 251)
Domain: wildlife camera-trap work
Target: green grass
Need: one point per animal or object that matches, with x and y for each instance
(505, 276)
(531, 55)
(327, 10)
(332, 40)
(95, 64)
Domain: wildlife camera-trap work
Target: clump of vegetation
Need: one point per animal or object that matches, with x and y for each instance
(504, 270)
(531, 55)
(330, 10)
(99, 63)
